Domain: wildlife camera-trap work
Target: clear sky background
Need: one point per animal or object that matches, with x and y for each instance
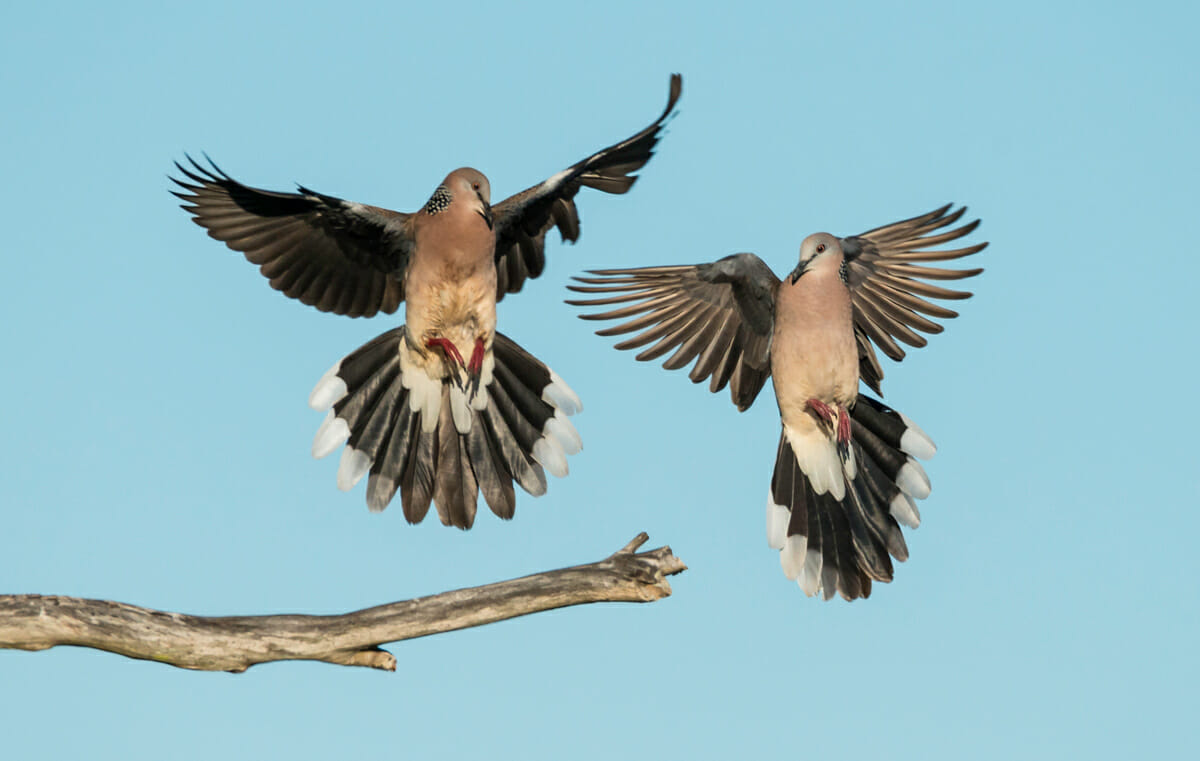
(156, 434)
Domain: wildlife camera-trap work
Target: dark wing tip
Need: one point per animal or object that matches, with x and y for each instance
(676, 89)
(204, 175)
(216, 169)
(952, 217)
(196, 174)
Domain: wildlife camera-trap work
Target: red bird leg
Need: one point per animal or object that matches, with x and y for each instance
(843, 427)
(843, 433)
(447, 346)
(475, 366)
(821, 410)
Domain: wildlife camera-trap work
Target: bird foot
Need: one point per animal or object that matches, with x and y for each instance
(843, 426)
(843, 432)
(475, 366)
(448, 348)
(821, 411)
(468, 380)
(836, 418)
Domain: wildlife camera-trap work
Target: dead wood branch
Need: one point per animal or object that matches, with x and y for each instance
(235, 643)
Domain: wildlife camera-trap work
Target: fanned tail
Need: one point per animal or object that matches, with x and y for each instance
(837, 536)
(426, 438)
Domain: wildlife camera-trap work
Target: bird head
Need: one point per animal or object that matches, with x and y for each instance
(471, 185)
(816, 251)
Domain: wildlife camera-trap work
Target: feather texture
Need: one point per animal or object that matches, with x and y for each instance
(421, 449)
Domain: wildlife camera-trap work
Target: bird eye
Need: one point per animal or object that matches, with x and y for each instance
(475, 185)
(821, 248)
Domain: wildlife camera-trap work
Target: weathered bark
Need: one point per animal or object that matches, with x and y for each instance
(235, 643)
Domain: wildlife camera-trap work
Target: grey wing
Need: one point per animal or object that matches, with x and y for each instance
(523, 220)
(338, 256)
(721, 315)
(888, 294)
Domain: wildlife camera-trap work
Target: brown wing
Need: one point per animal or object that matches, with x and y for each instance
(887, 288)
(523, 220)
(721, 315)
(336, 255)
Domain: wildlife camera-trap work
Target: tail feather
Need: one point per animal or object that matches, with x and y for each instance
(519, 407)
(495, 481)
(881, 524)
(507, 418)
(887, 457)
(416, 487)
(376, 431)
(840, 540)
(882, 491)
(367, 425)
(520, 364)
(531, 407)
(456, 492)
(387, 470)
(853, 576)
(353, 370)
(357, 408)
(870, 548)
(828, 545)
(517, 458)
(403, 427)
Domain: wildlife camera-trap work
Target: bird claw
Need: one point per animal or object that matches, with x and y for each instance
(475, 366)
(474, 369)
(448, 348)
(843, 426)
(820, 410)
(469, 380)
(843, 433)
(838, 421)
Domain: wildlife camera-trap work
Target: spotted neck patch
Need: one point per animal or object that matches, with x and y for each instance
(438, 201)
(844, 272)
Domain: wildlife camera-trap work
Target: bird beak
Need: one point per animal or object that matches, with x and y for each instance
(486, 212)
(796, 273)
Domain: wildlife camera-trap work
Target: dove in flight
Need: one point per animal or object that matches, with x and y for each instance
(846, 472)
(444, 406)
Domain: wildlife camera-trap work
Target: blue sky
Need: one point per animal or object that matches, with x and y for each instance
(156, 432)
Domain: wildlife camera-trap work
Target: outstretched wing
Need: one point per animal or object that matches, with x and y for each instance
(523, 220)
(336, 255)
(721, 315)
(887, 288)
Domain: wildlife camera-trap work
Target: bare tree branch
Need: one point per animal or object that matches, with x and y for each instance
(235, 643)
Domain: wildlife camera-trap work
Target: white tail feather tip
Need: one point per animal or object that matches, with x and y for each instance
(810, 580)
(915, 441)
(912, 480)
(564, 433)
(777, 521)
(328, 391)
(793, 555)
(559, 394)
(549, 453)
(352, 468)
(332, 434)
(904, 510)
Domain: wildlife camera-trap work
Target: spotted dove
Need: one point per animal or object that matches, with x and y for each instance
(845, 476)
(444, 406)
